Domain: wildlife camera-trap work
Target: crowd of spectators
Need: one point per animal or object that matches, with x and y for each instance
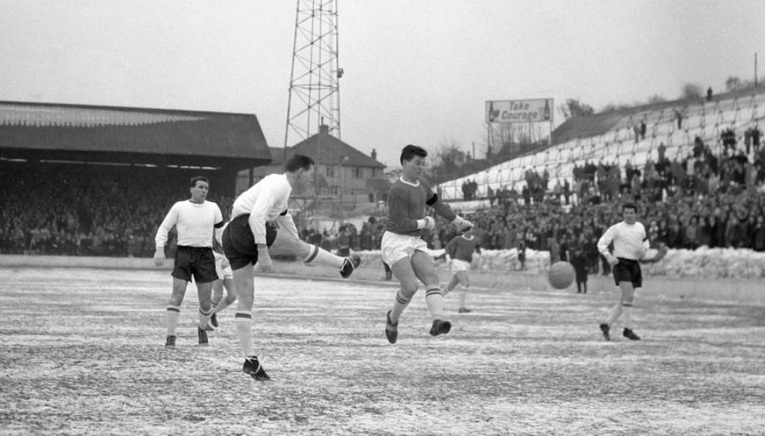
(706, 199)
(86, 210)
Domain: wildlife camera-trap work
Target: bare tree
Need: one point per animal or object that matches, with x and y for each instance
(575, 108)
(733, 83)
(446, 161)
(692, 90)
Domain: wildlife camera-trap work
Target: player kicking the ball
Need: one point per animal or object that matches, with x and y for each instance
(257, 216)
(631, 247)
(403, 248)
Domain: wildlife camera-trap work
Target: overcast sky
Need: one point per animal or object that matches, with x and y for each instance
(415, 71)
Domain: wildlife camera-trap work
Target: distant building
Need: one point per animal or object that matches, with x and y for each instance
(341, 170)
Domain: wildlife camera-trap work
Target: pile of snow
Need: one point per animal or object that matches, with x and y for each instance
(701, 263)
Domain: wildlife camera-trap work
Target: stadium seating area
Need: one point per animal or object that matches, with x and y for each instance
(697, 174)
(674, 124)
(86, 210)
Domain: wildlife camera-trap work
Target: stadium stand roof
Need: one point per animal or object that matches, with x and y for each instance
(133, 135)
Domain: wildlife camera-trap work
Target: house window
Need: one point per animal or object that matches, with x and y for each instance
(330, 171)
(359, 172)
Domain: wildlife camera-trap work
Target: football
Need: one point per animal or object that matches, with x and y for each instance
(561, 275)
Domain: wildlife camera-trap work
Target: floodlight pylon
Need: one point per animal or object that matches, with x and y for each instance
(314, 91)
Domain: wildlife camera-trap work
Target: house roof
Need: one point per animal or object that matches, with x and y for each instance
(326, 149)
(58, 129)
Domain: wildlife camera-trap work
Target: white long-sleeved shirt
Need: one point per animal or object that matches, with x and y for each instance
(264, 201)
(630, 241)
(195, 223)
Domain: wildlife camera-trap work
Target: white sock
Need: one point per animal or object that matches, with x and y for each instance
(204, 317)
(243, 323)
(401, 302)
(435, 302)
(463, 297)
(324, 257)
(173, 313)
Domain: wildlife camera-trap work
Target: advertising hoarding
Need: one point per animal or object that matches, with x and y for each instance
(520, 111)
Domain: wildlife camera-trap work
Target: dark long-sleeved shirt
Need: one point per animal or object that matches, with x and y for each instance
(406, 205)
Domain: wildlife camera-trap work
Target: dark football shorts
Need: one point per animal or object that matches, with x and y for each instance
(197, 262)
(239, 243)
(628, 270)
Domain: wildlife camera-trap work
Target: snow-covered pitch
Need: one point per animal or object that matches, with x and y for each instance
(82, 353)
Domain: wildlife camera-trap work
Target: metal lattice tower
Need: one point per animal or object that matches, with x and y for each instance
(314, 94)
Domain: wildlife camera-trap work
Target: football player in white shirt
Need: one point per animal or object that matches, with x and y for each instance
(195, 221)
(258, 215)
(631, 247)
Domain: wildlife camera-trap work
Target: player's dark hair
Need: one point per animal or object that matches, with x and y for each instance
(297, 162)
(632, 206)
(410, 151)
(196, 179)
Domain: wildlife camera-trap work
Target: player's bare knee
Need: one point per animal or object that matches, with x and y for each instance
(245, 302)
(176, 299)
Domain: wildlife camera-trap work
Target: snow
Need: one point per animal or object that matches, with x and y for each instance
(524, 362)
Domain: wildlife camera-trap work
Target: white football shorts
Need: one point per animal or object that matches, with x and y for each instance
(395, 247)
(460, 265)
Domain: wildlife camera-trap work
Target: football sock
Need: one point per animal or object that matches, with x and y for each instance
(243, 321)
(173, 313)
(615, 313)
(627, 310)
(313, 251)
(204, 316)
(402, 300)
(435, 301)
(323, 257)
(463, 296)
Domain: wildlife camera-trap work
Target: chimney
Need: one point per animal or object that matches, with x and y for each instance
(374, 154)
(324, 129)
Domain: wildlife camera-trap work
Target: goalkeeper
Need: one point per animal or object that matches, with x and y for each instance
(403, 248)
